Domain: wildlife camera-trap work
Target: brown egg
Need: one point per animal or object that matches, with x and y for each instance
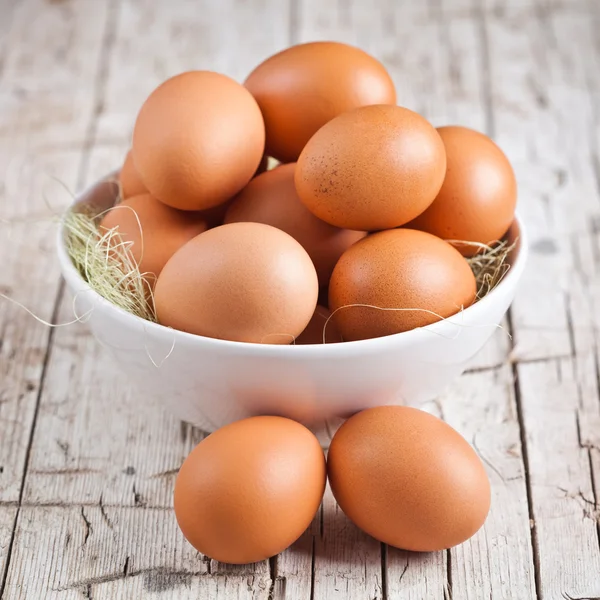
(408, 479)
(271, 198)
(302, 88)
(198, 140)
(376, 167)
(129, 179)
(313, 334)
(478, 197)
(246, 282)
(250, 489)
(156, 231)
(398, 269)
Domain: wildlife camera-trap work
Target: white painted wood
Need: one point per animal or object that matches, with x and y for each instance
(542, 117)
(47, 92)
(414, 576)
(33, 105)
(293, 576)
(498, 561)
(543, 113)
(155, 40)
(561, 486)
(347, 561)
(114, 554)
(7, 523)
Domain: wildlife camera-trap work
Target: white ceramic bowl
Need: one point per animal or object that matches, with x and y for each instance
(210, 382)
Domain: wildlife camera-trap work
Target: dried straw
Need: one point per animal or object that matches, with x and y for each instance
(490, 265)
(106, 262)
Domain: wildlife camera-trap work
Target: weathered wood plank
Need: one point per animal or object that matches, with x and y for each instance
(498, 561)
(113, 554)
(535, 78)
(415, 576)
(293, 574)
(29, 110)
(49, 70)
(561, 487)
(7, 8)
(543, 78)
(347, 562)
(7, 525)
(231, 37)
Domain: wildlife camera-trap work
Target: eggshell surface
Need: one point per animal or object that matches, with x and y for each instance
(376, 167)
(408, 479)
(416, 272)
(250, 489)
(129, 179)
(478, 197)
(198, 140)
(154, 230)
(246, 282)
(271, 198)
(305, 86)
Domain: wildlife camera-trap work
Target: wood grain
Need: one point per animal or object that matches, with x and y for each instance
(104, 553)
(33, 103)
(543, 113)
(7, 524)
(498, 561)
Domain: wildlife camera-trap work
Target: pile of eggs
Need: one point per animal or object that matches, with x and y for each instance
(357, 215)
(353, 219)
(405, 477)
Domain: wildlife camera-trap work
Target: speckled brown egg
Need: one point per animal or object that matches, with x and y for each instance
(478, 197)
(198, 140)
(398, 269)
(154, 230)
(271, 198)
(250, 489)
(408, 479)
(130, 183)
(376, 167)
(320, 329)
(305, 86)
(245, 282)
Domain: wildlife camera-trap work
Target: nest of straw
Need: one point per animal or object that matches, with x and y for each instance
(106, 263)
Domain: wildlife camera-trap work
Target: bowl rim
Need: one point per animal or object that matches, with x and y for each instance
(330, 350)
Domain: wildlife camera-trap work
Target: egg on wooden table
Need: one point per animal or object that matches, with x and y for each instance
(198, 139)
(154, 231)
(130, 183)
(408, 479)
(305, 86)
(245, 282)
(271, 198)
(477, 200)
(376, 167)
(421, 277)
(250, 489)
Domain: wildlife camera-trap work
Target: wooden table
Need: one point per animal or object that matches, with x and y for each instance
(87, 465)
